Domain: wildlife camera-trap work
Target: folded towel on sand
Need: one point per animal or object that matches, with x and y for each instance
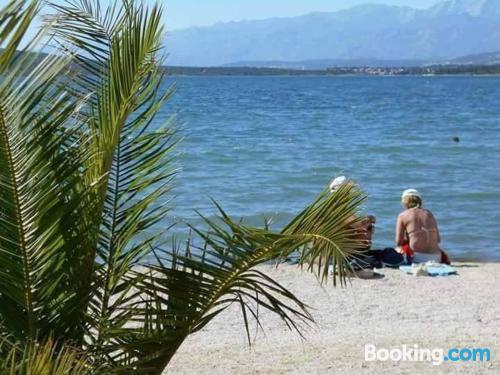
(428, 269)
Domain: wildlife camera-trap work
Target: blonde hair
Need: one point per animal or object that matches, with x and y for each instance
(412, 201)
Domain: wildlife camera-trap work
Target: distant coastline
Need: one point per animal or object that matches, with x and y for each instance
(479, 70)
(361, 70)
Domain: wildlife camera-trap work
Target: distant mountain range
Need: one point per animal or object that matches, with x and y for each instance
(487, 58)
(375, 35)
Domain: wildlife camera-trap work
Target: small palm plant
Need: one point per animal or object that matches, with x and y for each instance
(85, 173)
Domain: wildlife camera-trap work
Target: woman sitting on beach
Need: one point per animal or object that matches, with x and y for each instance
(363, 226)
(417, 233)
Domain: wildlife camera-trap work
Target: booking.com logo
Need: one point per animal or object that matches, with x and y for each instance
(414, 353)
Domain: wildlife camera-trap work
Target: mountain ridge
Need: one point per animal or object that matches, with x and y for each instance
(445, 31)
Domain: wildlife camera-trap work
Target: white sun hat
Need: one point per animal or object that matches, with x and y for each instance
(411, 193)
(336, 182)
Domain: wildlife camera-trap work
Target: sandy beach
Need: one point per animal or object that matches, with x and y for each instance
(460, 311)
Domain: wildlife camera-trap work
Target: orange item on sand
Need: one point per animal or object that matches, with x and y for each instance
(406, 249)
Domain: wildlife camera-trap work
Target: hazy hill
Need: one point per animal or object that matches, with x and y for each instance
(364, 33)
(487, 58)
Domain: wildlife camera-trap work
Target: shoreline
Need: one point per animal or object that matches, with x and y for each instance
(335, 75)
(433, 312)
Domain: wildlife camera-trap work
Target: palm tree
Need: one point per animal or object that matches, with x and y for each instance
(85, 174)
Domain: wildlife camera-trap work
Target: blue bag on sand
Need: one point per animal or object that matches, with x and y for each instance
(431, 269)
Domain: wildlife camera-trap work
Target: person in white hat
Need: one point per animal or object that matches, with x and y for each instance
(337, 182)
(417, 233)
(365, 227)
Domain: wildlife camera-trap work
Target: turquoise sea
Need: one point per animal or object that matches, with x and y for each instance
(265, 146)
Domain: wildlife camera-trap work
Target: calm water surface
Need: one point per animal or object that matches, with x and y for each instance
(267, 145)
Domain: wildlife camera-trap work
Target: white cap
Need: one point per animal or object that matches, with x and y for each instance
(411, 193)
(336, 182)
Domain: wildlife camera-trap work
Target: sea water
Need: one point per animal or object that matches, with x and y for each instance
(265, 146)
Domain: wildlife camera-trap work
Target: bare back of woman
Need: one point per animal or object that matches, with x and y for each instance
(417, 232)
(418, 228)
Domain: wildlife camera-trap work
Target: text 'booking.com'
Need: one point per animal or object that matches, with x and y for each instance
(415, 353)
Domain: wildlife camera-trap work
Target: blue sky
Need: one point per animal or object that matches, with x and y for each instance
(185, 13)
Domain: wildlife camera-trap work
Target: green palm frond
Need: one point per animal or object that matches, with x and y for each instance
(15, 19)
(182, 292)
(31, 279)
(327, 228)
(45, 359)
(116, 54)
(82, 29)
